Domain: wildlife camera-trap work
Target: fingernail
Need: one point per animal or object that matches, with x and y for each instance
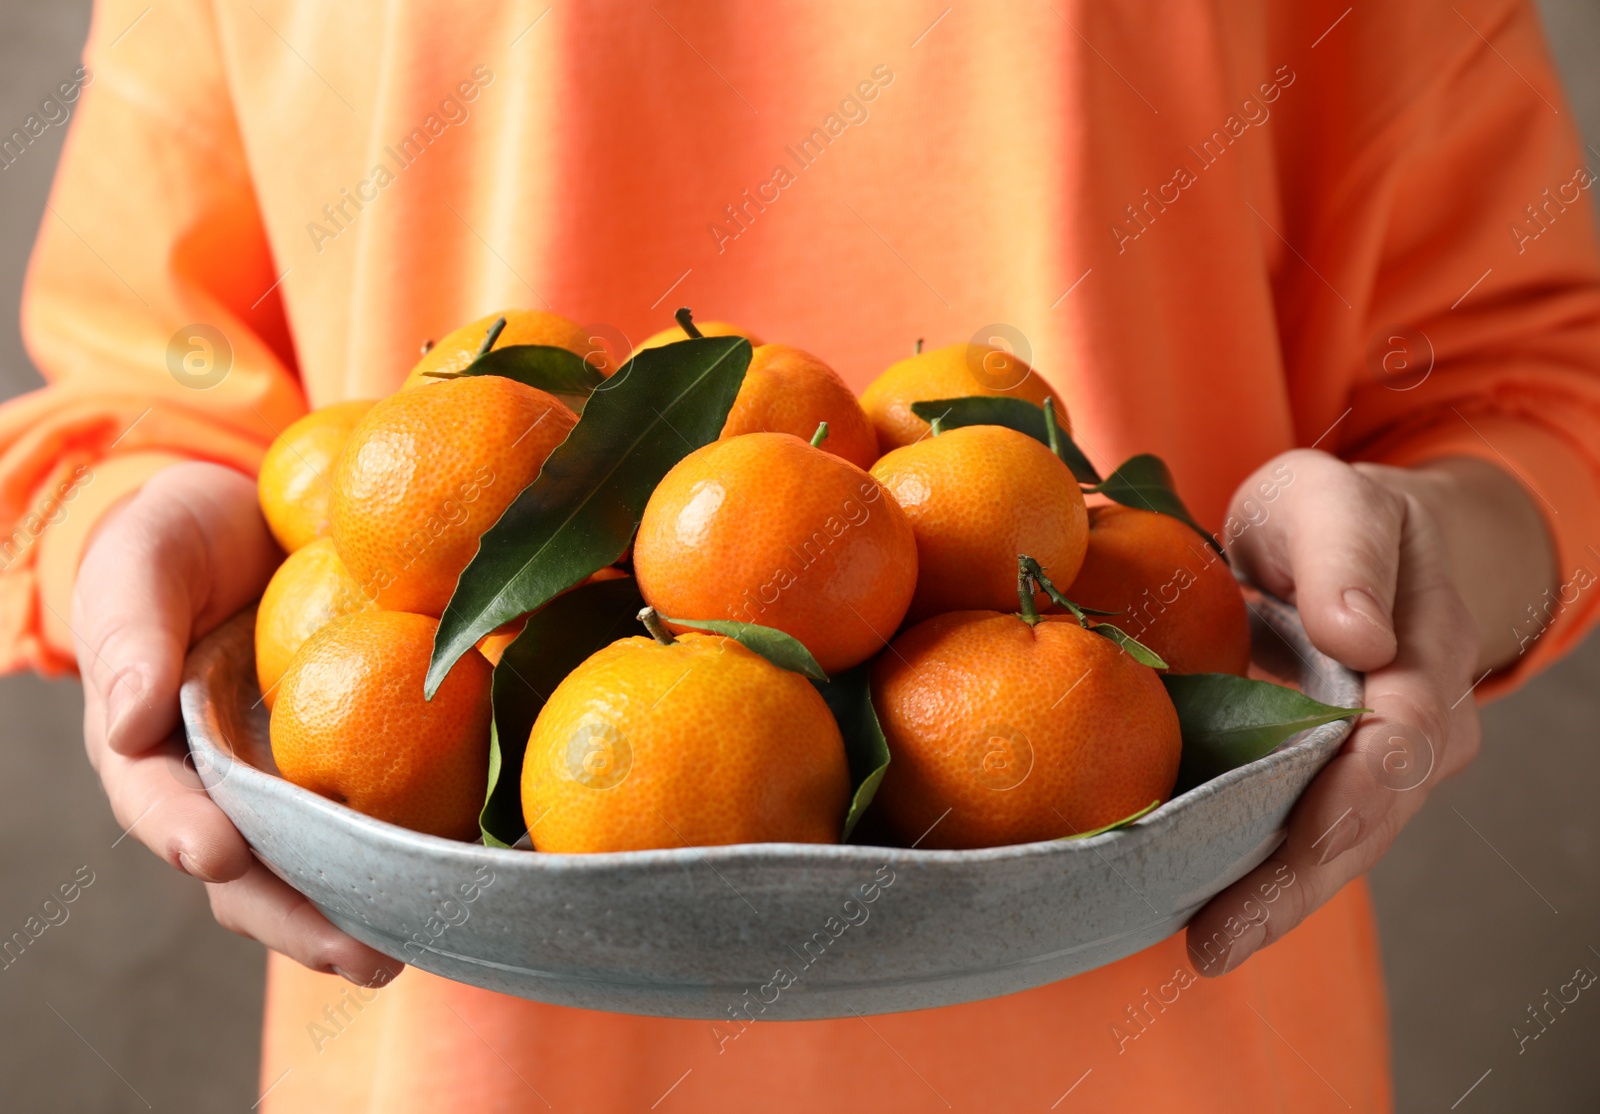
(186, 865)
(1361, 603)
(124, 698)
(378, 981)
(1245, 946)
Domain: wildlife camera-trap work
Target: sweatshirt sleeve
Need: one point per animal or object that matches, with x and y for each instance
(151, 307)
(1480, 309)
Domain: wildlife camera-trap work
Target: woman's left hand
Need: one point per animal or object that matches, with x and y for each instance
(1417, 578)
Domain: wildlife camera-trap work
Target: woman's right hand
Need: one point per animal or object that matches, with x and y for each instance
(166, 566)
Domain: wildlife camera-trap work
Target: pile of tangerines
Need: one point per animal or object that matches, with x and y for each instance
(710, 596)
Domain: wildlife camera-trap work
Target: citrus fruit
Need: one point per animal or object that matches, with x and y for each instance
(493, 645)
(786, 390)
(425, 473)
(351, 724)
(765, 529)
(296, 479)
(954, 371)
(310, 588)
(1175, 594)
(674, 333)
(976, 497)
(460, 347)
(697, 743)
(1002, 732)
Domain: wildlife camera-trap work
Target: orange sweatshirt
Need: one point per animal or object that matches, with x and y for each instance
(1220, 231)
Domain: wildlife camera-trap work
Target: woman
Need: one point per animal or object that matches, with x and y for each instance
(1336, 266)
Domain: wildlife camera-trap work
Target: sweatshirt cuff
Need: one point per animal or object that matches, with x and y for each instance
(1560, 479)
(39, 559)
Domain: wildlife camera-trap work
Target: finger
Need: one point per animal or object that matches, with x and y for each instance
(1308, 869)
(188, 550)
(158, 799)
(261, 906)
(1330, 543)
(1266, 904)
(131, 617)
(1301, 876)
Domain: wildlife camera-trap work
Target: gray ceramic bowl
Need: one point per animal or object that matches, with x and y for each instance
(797, 930)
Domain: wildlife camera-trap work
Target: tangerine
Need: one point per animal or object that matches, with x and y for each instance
(494, 644)
(675, 332)
(976, 497)
(786, 390)
(1174, 594)
(295, 483)
(351, 724)
(695, 743)
(311, 588)
(427, 472)
(954, 371)
(460, 347)
(763, 528)
(1004, 732)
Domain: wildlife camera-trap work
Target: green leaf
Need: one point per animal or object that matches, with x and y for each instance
(1013, 413)
(564, 374)
(1123, 823)
(581, 512)
(1229, 721)
(1144, 482)
(497, 812)
(782, 650)
(556, 640)
(849, 697)
(1137, 650)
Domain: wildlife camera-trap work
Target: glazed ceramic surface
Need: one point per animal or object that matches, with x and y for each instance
(808, 931)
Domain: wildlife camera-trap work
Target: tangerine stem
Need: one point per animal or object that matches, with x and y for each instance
(1043, 583)
(492, 335)
(658, 630)
(820, 436)
(427, 346)
(937, 425)
(685, 321)
(919, 346)
(1027, 585)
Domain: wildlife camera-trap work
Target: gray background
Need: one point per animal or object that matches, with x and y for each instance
(1491, 900)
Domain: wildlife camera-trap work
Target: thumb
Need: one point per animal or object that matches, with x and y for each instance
(1332, 546)
(183, 553)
